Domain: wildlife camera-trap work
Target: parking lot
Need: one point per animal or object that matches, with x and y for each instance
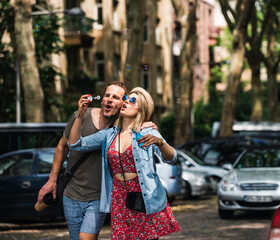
(198, 219)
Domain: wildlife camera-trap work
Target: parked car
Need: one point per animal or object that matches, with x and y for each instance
(170, 176)
(17, 136)
(252, 183)
(217, 151)
(274, 231)
(22, 174)
(200, 177)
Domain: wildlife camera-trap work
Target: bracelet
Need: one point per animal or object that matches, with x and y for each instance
(161, 142)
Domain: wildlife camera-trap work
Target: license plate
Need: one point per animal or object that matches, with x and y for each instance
(257, 199)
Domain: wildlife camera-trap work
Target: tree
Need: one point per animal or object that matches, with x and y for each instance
(239, 23)
(135, 17)
(7, 66)
(25, 53)
(184, 106)
(271, 58)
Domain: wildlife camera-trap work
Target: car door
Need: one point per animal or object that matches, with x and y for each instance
(16, 184)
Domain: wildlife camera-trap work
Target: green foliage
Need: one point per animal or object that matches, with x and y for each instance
(47, 41)
(226, 39)
(167, 127)
(207, 113)
(7, 66)
(243, 105)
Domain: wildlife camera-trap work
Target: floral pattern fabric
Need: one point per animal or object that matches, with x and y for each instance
(129, 224)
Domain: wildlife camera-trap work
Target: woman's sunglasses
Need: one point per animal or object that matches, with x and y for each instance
(131, 100)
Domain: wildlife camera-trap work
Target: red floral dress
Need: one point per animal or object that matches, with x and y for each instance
(129, 224)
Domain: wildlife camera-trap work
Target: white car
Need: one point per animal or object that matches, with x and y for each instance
(170, 176)
(200, 178)
(253, 183)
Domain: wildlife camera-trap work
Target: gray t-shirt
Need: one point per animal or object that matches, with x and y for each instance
(85, 185)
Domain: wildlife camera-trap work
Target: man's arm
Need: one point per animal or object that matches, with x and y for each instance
(60, 155)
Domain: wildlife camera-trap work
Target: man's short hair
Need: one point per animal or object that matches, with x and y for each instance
(118, 83)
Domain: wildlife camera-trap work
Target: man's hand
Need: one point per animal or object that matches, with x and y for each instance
(49, 187)
(149, 124)
(83, 105)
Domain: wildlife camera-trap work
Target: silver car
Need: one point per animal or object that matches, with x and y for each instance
(170, 176)
(199, 177)
(252, 183)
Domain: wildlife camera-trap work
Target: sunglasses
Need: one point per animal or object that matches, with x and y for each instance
(131, 100)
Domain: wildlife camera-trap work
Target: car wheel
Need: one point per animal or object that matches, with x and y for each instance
(225, 214)
(169, 199)
(188, 193)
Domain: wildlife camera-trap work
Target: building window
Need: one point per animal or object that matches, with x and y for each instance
(146, 30)
(72, 3)
(115, 20)
(98, 13)
(158, 35)
(157, 32)
(86, 62)
(116, 66)
(100, 66)
(159, 81)
(145, 79)
(73, 58)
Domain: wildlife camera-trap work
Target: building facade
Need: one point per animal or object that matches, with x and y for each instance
(96, 37)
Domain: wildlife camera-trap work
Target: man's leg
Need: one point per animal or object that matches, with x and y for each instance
(93, 221)
(74, 216)
(87, 236)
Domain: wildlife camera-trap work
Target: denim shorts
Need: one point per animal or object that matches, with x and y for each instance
(82, 217)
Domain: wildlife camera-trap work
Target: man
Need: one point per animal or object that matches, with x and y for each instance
(81, 198)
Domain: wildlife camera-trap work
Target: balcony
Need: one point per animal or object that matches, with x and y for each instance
(78, 30)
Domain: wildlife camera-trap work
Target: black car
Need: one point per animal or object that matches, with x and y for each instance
(218, 151)
(22, 174)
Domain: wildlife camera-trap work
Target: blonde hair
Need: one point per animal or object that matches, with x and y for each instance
(140, 116)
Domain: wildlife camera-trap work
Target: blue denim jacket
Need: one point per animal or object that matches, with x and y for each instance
(152, 190)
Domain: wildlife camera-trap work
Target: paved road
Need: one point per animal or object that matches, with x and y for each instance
(198, 219)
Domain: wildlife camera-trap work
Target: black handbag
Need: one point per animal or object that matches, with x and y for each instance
(62, 179)
(134, 200)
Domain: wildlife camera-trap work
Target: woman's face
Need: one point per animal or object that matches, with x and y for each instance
(130, 106)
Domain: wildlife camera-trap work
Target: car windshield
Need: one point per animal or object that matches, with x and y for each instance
(260, 159)
(194, 158)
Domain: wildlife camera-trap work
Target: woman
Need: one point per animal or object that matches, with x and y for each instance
(128, 167)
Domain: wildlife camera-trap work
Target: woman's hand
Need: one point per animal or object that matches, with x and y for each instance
(83, 105)
(149, 140)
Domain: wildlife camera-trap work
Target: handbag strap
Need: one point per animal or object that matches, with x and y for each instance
(121, 160)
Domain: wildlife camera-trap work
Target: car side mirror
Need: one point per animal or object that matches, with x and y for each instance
(188, 164)
(227, 166)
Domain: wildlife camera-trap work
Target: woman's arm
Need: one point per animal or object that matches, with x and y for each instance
(75, 132)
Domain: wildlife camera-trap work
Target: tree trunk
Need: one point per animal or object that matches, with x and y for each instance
(256, 115)
(184, 104)
(272, 95)
(272, 63)
(233, 81)
(254, 60)
(136, 17)
(238, 53)
(25, 52)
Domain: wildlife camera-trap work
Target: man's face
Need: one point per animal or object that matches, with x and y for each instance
(112, 101)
